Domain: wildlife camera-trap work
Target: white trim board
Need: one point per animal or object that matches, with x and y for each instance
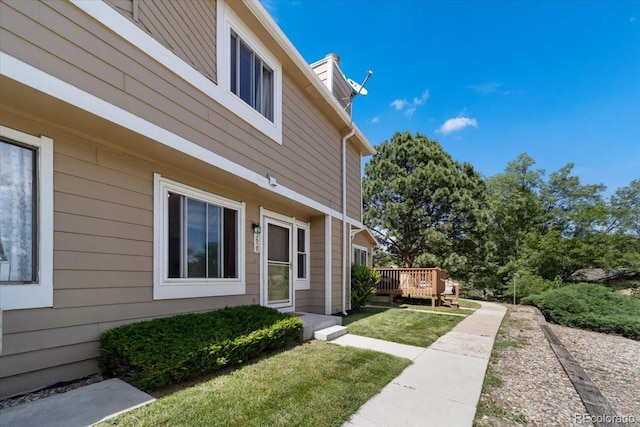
(37, 79)
(110, 18)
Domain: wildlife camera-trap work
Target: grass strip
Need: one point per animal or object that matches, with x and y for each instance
(314, 384)
(400, 326)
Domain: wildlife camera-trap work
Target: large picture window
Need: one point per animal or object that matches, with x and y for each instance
(198, 248)
(18, 219)
(202, 239)
(251, 79)
(26, 220)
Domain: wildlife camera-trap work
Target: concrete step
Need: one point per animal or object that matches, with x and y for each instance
(330, 333)
(314, 322)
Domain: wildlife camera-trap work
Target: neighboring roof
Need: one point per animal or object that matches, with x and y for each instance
(597, 274)
(368, 232)
(305, 74)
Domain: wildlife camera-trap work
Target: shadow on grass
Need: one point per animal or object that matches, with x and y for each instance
(363, 314)
(182, 385)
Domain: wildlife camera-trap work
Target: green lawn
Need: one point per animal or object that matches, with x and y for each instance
(314, 384)
(466, 306)
(401, 326)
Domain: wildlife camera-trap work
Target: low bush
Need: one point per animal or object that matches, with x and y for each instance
(590, 306)
(159, 352)
(530, 284)
(364, 282)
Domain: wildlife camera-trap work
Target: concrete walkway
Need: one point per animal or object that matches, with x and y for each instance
(81, 407)
(443, 386)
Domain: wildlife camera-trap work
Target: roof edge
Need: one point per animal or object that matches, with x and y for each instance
(276, 32)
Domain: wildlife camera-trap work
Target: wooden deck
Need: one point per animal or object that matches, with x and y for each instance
(431, 282)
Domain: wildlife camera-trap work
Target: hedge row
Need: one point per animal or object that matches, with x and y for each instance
(590, 306)
(159, 352)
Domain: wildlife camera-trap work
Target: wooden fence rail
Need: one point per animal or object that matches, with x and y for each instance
(429, 282)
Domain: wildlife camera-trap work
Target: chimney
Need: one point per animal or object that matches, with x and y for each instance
(328, 69)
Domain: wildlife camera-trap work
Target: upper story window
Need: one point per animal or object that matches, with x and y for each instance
(26, 220)
(251, 78)
(249, 74)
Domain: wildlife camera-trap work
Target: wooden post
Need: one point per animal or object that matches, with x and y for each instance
(434, 287)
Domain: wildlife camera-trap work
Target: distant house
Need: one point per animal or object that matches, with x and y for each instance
(160, 158)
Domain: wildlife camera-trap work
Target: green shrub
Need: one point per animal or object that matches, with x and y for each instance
(364, 282)
(530, 284)
(590, 306)
(159, 352)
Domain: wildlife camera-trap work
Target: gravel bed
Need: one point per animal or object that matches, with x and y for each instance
(534, 388)
(612, 363)
(49, 391)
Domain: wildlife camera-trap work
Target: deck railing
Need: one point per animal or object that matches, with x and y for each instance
(413, 281)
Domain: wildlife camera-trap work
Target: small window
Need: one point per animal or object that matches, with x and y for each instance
(198, 249)
(302, 254)
(302, 248)
(18, 219)
(251, 78)
(359, 256)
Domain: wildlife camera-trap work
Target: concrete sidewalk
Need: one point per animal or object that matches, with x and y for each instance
(81, 407)
(443, 386)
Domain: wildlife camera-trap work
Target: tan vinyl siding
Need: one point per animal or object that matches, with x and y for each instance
(103, 182)
(316, 300)
(354, 187)
(103, 247)
(336, 266)
(310, 143)
(361, 239)
(187, 28)
(303, 298)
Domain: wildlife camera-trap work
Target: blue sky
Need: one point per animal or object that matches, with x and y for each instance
(559, 80)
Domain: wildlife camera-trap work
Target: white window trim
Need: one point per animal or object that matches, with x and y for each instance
(361, 248)
(302, 284)
(220, 92)
(166, 288)
(40, 294)
(227, 21)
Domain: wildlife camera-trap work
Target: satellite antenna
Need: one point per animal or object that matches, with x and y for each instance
(358, 89)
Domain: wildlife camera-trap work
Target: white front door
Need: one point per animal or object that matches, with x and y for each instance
(277, 263)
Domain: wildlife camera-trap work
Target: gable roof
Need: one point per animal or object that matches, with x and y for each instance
(255, 15)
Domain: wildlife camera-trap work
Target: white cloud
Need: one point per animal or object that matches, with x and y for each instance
(399, 104)
(456, 124)
(410, 107)
(422, 99)
(485, 88)
(376, 119)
